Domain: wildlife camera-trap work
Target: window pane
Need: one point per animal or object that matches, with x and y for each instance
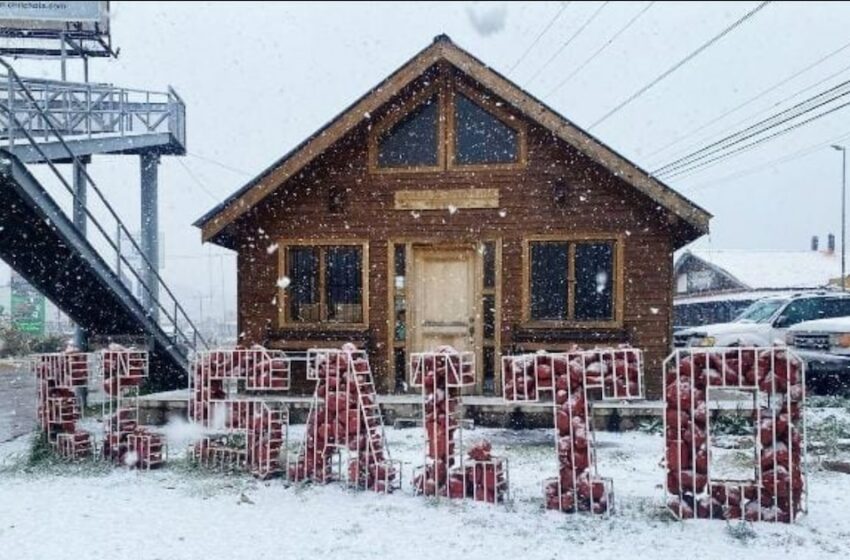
(343, 284)
(400, 370)
(489, 264)
(481, 137)
(838, 308)
(489, 303)
(549, 281)
(400, 308)
(412, 142)
(304, 284)
(489, 370)
(400, 262)
(594, 269)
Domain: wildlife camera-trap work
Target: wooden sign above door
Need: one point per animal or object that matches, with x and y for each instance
(443, 199)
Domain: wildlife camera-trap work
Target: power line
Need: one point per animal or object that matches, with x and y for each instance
(755, 143)
(599, 50)
(539, 36)
(756, 97)
(219, 164)
(566, 43)
(808, 150)
(760, 127)
(678, 65)
(778, 103)
(197, 181)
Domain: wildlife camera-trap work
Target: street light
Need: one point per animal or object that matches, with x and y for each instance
(843, 151)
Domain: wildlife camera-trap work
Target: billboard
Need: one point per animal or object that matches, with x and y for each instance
(22, 13)
(40, 28)
(27, 306)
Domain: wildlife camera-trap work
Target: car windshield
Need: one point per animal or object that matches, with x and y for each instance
(760, 311)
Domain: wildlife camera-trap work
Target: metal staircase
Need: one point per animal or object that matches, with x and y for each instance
(93, 274)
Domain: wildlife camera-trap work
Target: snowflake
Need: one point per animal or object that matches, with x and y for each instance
(271, 248)
(283, 282)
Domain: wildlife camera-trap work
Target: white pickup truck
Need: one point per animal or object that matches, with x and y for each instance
(812, 323)
(766, 321)
(824, 344)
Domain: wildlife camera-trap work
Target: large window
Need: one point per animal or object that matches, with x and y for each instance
(412, 141)
(326, 284)
(447, 125)
(572, 281)
(480, 137)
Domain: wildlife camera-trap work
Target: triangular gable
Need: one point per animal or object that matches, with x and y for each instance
(443, 49)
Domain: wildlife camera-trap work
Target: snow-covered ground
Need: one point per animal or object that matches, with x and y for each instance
(88, 511)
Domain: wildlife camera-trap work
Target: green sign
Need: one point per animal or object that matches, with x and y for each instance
(27, 307)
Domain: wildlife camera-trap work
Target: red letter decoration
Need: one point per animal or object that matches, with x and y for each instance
(446, 472)
(777, 380)
(570, 377)
(344, 417)
(126, 442)
(248, 432)
(57, 376)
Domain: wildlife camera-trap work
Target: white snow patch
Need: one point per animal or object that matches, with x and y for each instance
(654, 310)
(131, 458)
(452, 208)
(179, 516)
(503, 213)
(283, 282)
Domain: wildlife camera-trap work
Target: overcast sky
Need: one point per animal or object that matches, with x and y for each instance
(258, 78)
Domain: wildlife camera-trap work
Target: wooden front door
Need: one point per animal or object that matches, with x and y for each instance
(444, 298)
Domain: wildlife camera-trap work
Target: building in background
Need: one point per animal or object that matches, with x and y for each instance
(714, 286)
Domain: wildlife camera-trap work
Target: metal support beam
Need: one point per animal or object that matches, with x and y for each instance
(149, 162)
(80, 194)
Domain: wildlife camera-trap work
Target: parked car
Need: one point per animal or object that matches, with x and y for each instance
(766, 321)
(824, 344)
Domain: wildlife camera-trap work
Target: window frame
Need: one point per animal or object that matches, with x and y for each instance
(484, 102)
(571, 240)
(284, 318)
(445, 89)
(405, 108)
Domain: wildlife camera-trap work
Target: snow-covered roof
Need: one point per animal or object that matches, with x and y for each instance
(748, 295)
(761, 270)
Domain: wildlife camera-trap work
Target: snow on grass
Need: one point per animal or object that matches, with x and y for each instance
(185, 513)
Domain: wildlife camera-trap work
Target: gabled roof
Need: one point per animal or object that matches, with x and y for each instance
(216, 220)
(771, 270)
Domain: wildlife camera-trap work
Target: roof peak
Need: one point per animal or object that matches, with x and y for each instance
(443, 38)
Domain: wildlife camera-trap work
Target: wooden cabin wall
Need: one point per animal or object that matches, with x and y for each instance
(598, 203)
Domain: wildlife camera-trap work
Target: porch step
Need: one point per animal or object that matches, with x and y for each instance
(156, 408)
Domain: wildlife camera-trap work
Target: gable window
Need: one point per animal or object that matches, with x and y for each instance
(447, 125)
(572, 281)
(326, 284)
(481, 137)
(412, 141)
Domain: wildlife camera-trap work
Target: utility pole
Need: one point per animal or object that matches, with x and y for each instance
(843, 151)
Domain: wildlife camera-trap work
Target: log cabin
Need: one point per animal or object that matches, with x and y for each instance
(449, 206)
